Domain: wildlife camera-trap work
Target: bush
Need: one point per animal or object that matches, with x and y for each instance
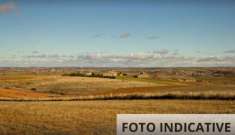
(33, 89)
(92, 75)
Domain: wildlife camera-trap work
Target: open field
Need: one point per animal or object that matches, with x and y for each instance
(53, 103)
(182, 83)
(91, 117)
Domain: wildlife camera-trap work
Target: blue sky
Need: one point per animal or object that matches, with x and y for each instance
(117, 33)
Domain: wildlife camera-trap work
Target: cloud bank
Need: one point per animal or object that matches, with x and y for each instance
(157, 58)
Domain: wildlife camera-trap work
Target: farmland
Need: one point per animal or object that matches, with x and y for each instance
(91, 117)
(51, 101)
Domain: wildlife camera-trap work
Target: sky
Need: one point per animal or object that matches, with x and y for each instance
(121, 33)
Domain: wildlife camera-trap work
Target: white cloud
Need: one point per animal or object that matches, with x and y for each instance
(158, 58)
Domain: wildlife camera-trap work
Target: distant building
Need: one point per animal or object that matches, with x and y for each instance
(89, 73)
(111, 74)
(143, 75)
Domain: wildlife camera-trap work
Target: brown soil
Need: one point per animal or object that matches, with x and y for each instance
(19, 93)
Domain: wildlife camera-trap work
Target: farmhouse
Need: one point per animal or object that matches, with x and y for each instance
(111, 73)
(143, 75)
(89, 73)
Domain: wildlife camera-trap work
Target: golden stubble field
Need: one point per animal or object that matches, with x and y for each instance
(49, 103)
(91, 117)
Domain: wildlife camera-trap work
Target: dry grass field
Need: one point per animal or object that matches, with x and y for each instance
(39, 101)
(91, 117)
(172, 83)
